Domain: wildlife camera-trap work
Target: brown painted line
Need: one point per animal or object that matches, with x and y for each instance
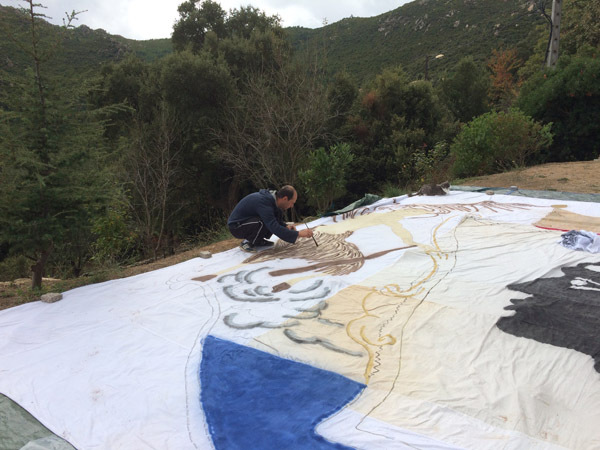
(277, 273)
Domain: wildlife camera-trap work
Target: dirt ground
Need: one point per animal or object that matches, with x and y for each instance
(580, 177)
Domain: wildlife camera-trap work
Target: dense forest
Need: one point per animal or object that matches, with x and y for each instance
(128, 150)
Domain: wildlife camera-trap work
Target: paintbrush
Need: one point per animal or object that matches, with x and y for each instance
(313, 237)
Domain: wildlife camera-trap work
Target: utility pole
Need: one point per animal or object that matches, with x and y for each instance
(552, 56)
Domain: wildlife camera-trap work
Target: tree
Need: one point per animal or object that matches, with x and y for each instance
(341, 94)
(208, 24)
(568, 97)
(504, 66)
(395, 119)
(195, 22)
(580, 26)
(271, 125)
(153, 162)
(51, 155)
(465, 92)
(325, 178)
(51, 151)
(242, 22)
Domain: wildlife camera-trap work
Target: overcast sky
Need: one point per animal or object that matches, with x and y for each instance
(142, 19)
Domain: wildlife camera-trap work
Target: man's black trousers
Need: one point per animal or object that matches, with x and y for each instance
(253, 230)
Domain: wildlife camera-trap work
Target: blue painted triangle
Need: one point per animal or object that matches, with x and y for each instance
(252, 399)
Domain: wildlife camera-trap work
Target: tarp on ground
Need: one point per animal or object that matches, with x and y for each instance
(424, 322)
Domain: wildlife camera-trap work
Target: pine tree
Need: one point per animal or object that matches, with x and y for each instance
(51, 149)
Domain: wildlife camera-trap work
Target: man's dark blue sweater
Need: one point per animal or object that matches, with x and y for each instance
(262, 205)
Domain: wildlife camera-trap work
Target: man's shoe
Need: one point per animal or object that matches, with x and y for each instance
(264, 243)
(247, 247)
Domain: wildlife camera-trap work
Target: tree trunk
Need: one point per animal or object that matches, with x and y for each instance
(38, 268)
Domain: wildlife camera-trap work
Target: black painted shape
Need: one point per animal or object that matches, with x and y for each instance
(562, 311)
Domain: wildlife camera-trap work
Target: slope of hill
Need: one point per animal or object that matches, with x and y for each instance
(420, 29)
(363, 46)
(82, 49)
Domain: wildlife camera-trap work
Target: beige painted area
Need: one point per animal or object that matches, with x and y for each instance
(463, 362)
(392, 219)
(424, 345)
(350, 360)
(562, 219)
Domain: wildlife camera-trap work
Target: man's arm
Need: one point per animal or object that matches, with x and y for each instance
(306, 233)
(267, 214)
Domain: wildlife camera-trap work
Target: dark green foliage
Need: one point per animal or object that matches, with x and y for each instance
(580, 26)
(195, 84)
(243, 22)
(361, 46)
(498, 141)
(568, 97)
(465, 90)
(325, 178)
(195, 22)
(342, 93)
(115, 239)
(14, 267)
(432, 165)
(395, 119)
(205, 22)
(52, 160)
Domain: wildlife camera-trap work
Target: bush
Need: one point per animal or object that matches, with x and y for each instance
(325, 178)
(15, 267)
(496, 142)
(569, 97)
(115, 242)
(431, 165)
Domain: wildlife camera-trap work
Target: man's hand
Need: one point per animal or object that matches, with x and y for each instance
(305, 233)
(291, 226)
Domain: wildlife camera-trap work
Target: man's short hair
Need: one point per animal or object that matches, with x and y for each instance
(286, 191)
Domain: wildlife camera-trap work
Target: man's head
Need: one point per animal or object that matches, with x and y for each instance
(286, 197)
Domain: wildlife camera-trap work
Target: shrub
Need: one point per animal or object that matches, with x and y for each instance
(115, 242)
(496, 142)
(15, 267)
(431, 165)
(569, 97)
(325, 178)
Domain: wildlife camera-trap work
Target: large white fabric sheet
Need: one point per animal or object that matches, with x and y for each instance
(115, 365)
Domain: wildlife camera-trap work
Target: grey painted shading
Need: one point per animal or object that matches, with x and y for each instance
(562, 311)
(319, 341)
(229, 320)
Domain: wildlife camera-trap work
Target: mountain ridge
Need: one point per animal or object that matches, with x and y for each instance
(408, 36)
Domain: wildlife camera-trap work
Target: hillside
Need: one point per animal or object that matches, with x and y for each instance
(362, 46)
(82, 50)
(406, 35)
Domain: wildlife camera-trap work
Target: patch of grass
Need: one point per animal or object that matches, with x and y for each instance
(562, 180)
(542, 176)
(389, 190)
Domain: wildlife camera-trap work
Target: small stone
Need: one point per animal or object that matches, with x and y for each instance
(205, 254)
(489, 192)
(51, 297)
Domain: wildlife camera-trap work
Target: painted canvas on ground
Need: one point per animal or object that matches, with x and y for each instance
(425, 322)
